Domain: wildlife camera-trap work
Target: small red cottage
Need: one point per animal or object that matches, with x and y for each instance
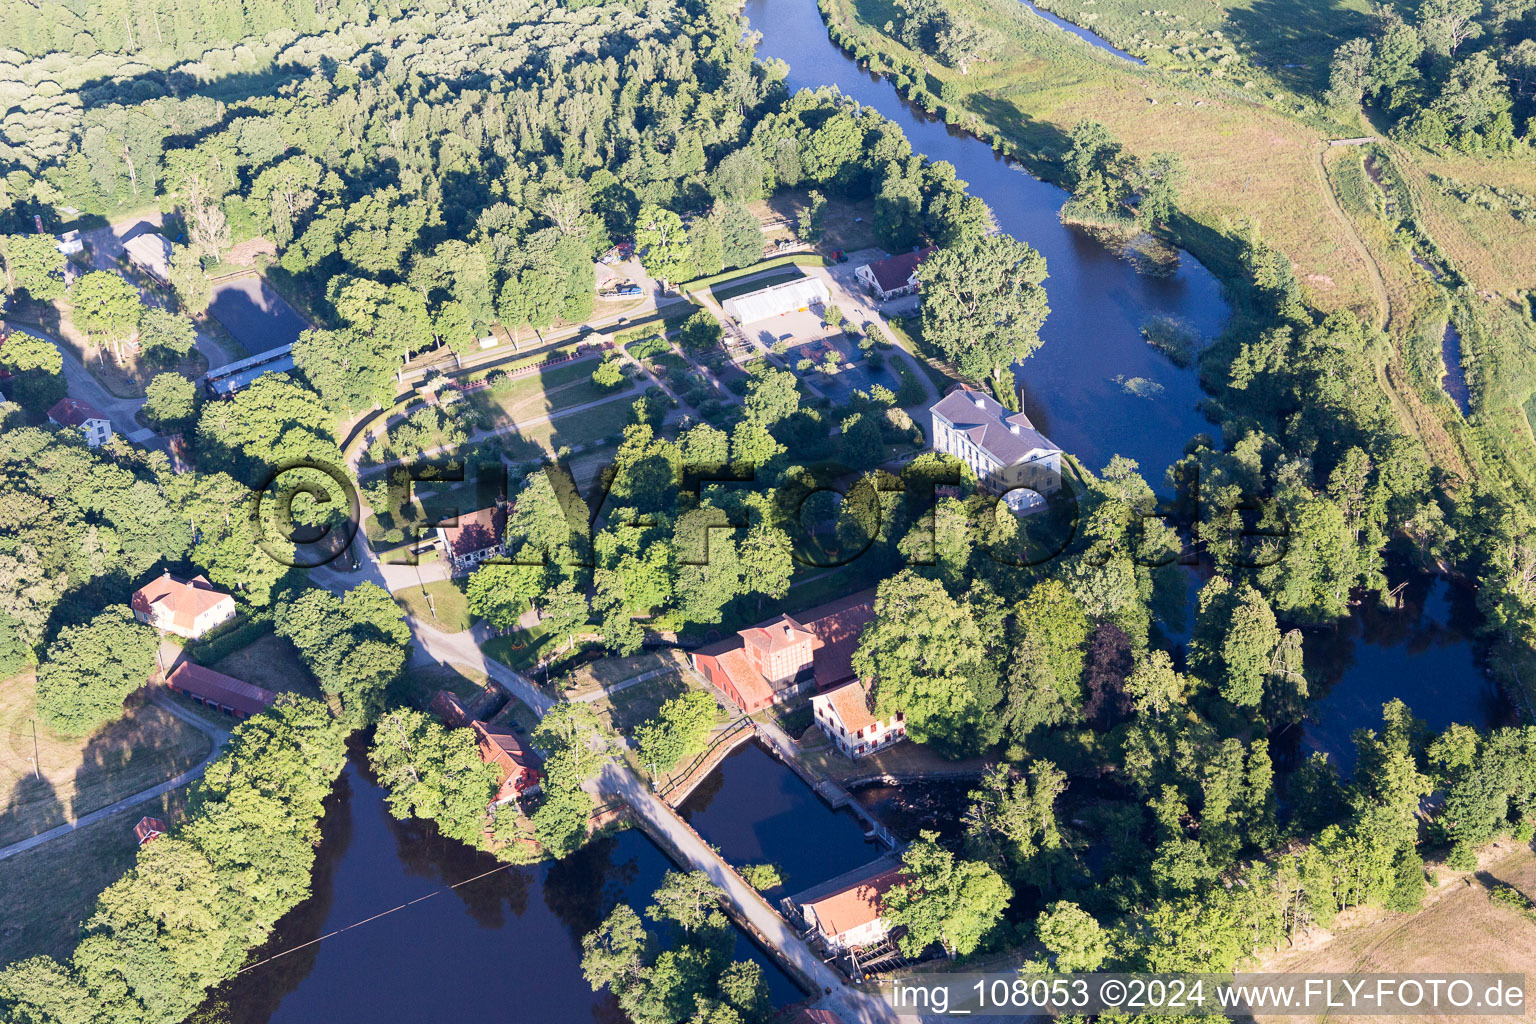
(449, 710)
(148, 828)
(520, 766)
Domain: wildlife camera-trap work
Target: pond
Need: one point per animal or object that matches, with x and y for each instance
(1422, 653)
(504, 947)
(1454, 379)
(257, 317)
(1095, 387)
(755, 810)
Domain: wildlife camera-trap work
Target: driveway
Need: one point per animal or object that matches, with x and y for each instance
(84, 386)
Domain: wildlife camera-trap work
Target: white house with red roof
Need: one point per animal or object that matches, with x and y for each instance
(475, 537)
(846, 912)
(893, 277)
(84, 417)
(844, 715)
(188, 608)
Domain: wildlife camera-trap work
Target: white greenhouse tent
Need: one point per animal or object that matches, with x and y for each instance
(777, 299)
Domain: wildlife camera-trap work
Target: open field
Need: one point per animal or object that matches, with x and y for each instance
(448, 609)
(145, 747)
(1287, 43)
(845, 224)
(271, 662)
(1245, 164)
(69, 872)
(540, 394)
(635, 704)
(1459, 929)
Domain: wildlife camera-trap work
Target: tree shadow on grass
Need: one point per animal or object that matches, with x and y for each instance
(32, 808)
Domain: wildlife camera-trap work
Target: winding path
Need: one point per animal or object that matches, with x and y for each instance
(219, 736)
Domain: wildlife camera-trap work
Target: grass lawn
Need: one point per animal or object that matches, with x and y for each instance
(845, 225)
(635, 704)
(47, 892)
(589, 425)
(448, 609)
(595, 675)
(418, 683)
(539, 394)
(518, 715)
(272, 662)
(143, 748)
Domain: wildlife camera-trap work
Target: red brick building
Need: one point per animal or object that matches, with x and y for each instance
(775, 660)
(520, 766)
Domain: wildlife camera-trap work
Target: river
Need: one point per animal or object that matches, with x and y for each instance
(505, 948)
(1078, 388)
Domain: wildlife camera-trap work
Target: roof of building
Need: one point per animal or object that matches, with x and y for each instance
(814, 1015)
(151, 251)
(777, 299)
(750, 685)
(1008, 436)
(834, 630)
(853, 898)
(185, 600)
(447, 706)
(851, 702)
(148, 828)
(217, 688)
(232, 377)
(838, 626)
(896, 272)
(501, 746)
(777, 635)
(74, 412)
(477, 531)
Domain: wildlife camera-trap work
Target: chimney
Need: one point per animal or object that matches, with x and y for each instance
(981, 403)
(1013, 428)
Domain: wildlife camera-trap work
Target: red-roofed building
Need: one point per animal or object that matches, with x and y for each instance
(188, 608)
(447, 707)
(148, 828)
(216, 690)
(92, 423)
(889, 278)
(844, 715)
(778, 659)
(813, 1015)
(520, 767)
(845, 912)
(475, 537)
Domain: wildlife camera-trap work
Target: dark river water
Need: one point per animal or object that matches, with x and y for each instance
(756, 810)
(1422, 653)
(505, 948)
(1076, 386)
